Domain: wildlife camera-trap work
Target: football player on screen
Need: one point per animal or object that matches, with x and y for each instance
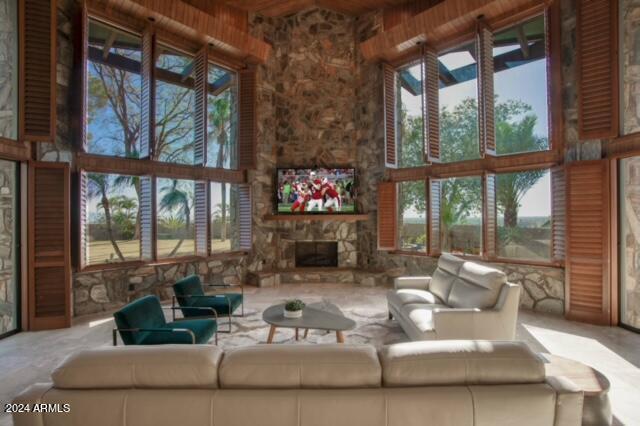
(315, 185)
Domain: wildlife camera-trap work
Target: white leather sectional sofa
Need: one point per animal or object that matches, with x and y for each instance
(462, 300)
(444, 383)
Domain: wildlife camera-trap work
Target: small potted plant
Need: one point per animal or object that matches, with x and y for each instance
(293, 308)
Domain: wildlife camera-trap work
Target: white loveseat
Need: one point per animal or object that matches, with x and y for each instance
(445, 383)
(462, 300)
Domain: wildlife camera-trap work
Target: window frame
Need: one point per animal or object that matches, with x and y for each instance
(550, 159)
(146, 165)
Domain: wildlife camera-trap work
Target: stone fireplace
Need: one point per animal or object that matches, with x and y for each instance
(309, 254)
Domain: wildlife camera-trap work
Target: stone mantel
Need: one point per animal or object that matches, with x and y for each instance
(338, 217)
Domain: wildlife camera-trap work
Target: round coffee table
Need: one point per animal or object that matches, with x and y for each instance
(316, 316)
(597, 408)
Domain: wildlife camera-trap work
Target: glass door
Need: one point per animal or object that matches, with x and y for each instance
(9, 251)
(629, 242)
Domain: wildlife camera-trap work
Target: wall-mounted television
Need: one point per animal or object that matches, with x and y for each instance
(315, 190)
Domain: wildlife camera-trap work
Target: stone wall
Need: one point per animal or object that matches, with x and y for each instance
(630, 10)
(8, 69)
(307, 98)
(109, 289)
(8, 297)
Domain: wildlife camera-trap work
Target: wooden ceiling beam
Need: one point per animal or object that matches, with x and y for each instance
(181, 18)
(441, 23)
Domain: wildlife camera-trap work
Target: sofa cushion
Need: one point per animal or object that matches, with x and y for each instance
(300, 366)
(399, 298)
(477, 286)
(421, 314)
(444, 275)
(203, 330)
(124, 367)
(459, 362)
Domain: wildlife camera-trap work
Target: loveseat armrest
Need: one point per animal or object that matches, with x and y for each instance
(418, 283)
(472, 323)
(569, 401)
(30, 396)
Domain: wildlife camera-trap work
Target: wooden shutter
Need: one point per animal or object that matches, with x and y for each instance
(245, 218)
(83, 184)
(49, 281)
(430, 104)
(201, 218)
(387, 216)
(147, 218)
(81, 54)
(389, 95)
(435, 196)
(247, 129)
(558, 213)
(490, 222)
(38, 69)
(147, 95)
(484, 47)
(200, 73)
(587, 264)
(597, 49)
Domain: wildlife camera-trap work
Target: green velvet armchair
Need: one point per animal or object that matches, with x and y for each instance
(190, 295)
(142, 322)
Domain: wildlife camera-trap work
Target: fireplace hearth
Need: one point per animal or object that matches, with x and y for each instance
(314, 254)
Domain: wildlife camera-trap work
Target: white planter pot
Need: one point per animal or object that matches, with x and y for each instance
(292, 314)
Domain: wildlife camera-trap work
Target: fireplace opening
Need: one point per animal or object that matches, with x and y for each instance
(316, 254)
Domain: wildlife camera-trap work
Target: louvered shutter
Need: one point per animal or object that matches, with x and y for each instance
(435, 196)
(247, 128)
(201, 218)
(387, 216)
(587, 264)
(147, 95)
(485, 90)
(49, 281)
(558, 213)
(430, 105)
(200, 72)
(389, 95)
(81, 55)
(245, 218)
(597, 47)
(490, 216)
(38, 64)
(83, 255)
(147, 218)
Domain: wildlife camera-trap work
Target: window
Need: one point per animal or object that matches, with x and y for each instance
(458, 99)
(224, 217)
(175, 107)
(222, 123)
(114, 88)
(461, 215)
(9, 69)
(175, 212)
(412, 212)
(112, 225)
(409, 113)
(520, 86)
(523, 201)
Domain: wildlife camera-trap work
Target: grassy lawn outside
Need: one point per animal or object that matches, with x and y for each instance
(100, 252)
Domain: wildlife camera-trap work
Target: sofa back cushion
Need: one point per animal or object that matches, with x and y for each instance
(477, 286)
(459, 362)
(444, 275)
(145, 312)
(126, 367)
(299, 367)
